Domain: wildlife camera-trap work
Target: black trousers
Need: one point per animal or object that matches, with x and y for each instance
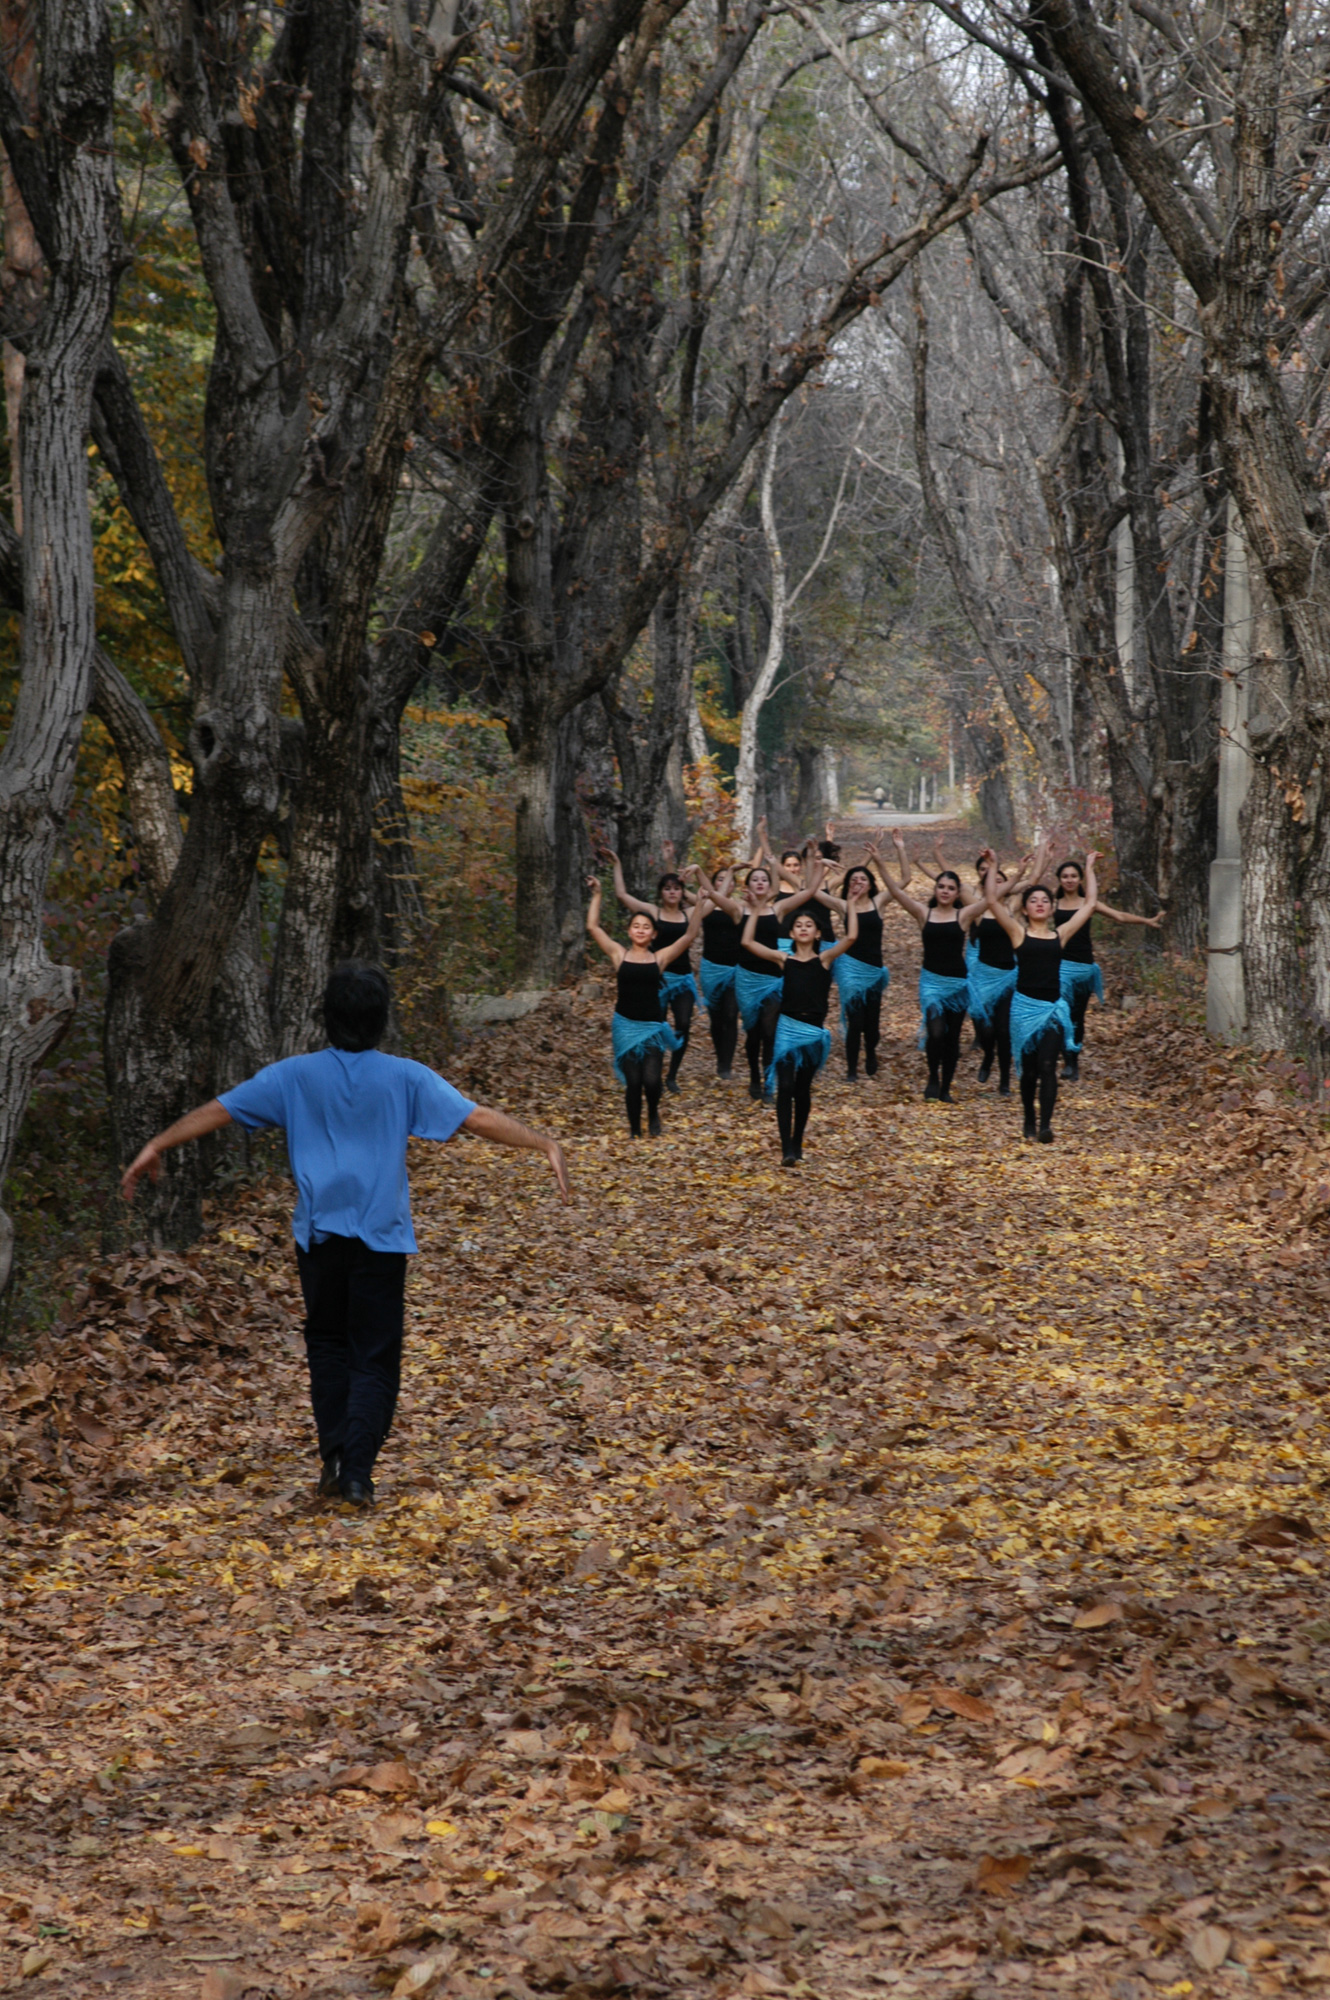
(723, 1021)
(354, 1309)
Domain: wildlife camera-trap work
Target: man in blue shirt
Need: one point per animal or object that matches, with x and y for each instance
(347, 1112)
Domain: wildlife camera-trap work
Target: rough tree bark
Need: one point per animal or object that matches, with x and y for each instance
(59, 619)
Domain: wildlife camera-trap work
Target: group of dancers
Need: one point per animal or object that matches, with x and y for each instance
(1017, 956)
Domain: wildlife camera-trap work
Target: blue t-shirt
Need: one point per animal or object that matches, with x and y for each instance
(347, 1117)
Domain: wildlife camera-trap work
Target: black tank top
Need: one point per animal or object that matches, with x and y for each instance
(807, 990)
(667, 933)
(1039, 968)
(720, 938)
(820, 914)
(767, 932)
(637, 994)
(1078, 950)
(868, 945)
(995, 947)
(944, 948)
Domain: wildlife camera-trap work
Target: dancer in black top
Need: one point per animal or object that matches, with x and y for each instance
(1081, 978)
(669, 913)
(641, 1032)
(802, 1041)
(992, 973)
(791, 873)
(860, 974)
(1041, 1023)
(943, 989)
(758, 989)
(718, 967)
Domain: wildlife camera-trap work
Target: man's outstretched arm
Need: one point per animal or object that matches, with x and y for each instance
(502, 1130)
(193, 1125)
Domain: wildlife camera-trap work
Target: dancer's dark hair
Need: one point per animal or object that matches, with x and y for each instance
(670, 881)
(1035, 889)
(356, 1004)
(945, 875)
(850, 873)
(1069, 863)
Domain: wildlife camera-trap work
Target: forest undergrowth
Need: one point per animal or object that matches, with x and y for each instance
(905, 1576)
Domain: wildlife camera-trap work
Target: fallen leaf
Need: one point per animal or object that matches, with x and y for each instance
(1097, 1615)
(1208, 1947)
(253, 1736)
(36, 1960)
(999, 1874)
(969, 1706)
(882, 1767)
(914, 1709)
(393, 1777)
(425, 1975)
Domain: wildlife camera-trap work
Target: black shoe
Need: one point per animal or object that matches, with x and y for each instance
(985, 1069)
(1004, 1087)
(329, 1487)
(653, 1124)
(358, 1492)
(634, 1131)
(1071, 1069)
(755, 1092)
(932, 1091)
(852, 1076)
(870, 1062)
(1045, 1135)
(789, 1158)
(768, 1097)
(724, 1075)
(799, 1150)
(1031, 1129)
(672, 1083)
(945, 1096)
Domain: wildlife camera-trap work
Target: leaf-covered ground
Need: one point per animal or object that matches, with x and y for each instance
(905, 1576)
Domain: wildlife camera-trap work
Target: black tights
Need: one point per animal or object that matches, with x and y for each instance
(723, 1020)
(794, 1101)
(682, 1009)
(863, 1022)
(760, 1044)
(942, 1044)
(994, 1038)
(1039, 1071)
(642, 1073)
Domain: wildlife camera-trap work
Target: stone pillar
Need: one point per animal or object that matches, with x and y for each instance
(1225, 1001)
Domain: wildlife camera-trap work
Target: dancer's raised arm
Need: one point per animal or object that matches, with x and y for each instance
(995, 898)
(633, 903)
(612, 949)
(898, 891)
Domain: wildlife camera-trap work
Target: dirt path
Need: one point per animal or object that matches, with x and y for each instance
(901, 1577)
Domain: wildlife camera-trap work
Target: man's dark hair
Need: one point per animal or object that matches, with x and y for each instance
(356, 1004)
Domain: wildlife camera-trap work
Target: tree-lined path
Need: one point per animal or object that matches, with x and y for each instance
(902, 1576)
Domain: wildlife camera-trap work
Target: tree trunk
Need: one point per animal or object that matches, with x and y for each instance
(548, 858)
(59, 621)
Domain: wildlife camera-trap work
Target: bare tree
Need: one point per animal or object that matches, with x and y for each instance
(83, 255)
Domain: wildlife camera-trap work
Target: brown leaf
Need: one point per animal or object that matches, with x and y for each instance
(528, 1743)
(35, 1960)
(768, 1920)
(230, 1982)
(597, 1555)
(394, 1777)
(915, 1708)
(92, 1430)
(1097, 1615)
(882, 1767)
(969, 1706)
(253, 1736)
(388, 1833)
(1278, 1531)
(424, 1976)
(999, 1874)
(1208, 1947)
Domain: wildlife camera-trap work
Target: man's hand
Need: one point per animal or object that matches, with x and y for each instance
(559, 1169)
(148, 1162)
